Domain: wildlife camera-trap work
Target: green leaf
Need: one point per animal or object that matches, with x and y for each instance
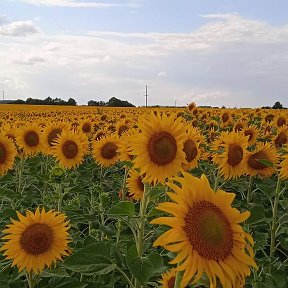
(140, 267)
(157, 262)
(257, 215)
(266, 162)
(93, 259)
(124, 208)
(66, 283)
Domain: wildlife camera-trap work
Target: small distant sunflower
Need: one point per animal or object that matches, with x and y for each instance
(122, 127)
(105, 150)
(70, 148)
(37, 240)
(158, 148)
(8, 153)
(168, 278)
(191, 148)
(281, 138)
(30, 139)
(135, 185)
(205, 233)
(230, 154)
(262, 152)
(191, 106)
(252, 133)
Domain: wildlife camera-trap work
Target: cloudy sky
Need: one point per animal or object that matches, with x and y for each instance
(212, 52)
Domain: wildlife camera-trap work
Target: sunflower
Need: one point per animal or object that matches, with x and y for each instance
(158, 148)
(30, 139)
(70, 148)
(252, 133)
(191, 148)
(281, 138)
(230, 154)
(205, 233)
(37, 240)
(284, 167)
(263, 152)
(105, 150)
(168, 278)
(50, 133)
(8, 153)
(123, 145)
(135, 185)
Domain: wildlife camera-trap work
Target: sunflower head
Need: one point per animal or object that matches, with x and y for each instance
(37, 240)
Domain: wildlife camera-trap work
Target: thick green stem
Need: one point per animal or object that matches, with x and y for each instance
(216, 185)
(124, 183)
(29, 277)
(249, 191)
(142, 219)
(178, 279)
(20, 171)
(274, 221)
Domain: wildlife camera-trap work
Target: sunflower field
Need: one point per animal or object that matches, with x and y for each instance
(143, 197)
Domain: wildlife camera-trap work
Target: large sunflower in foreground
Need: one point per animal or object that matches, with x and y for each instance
(264, 152)
(105, 150)
(230, 154)
(8, 153)
(205, 233)
(70, 148)
(37, 240)
(158, 148)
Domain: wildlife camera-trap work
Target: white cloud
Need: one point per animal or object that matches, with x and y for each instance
(17, 28)
(79, 4)
(231, 61)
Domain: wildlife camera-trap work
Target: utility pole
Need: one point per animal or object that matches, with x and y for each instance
(3, 95)
(146, 96)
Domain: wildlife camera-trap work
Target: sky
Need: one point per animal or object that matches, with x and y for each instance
(231, 53)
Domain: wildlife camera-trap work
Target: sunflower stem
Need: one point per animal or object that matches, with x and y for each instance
(142, 219)
(124, 183)
(274, 221)
(59, 195)
(178, 279)
(216, 185)
(29, 277)
(125, 276)
(250, 187)
(19, 171)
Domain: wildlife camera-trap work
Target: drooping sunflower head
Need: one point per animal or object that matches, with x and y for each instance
(265, 152)
(70, 148)
(105, 150)
(158, 148)
(205, 233)
(135, 185)
(230, 154)
(37, 240)
(8, 153)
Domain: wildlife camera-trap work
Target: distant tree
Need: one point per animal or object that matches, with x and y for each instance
(277, 105)
(96, 103)
(115, 102)
(71, 102)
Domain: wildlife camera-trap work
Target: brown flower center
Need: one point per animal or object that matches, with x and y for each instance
(99, 135)
(122, 129)
(171, 282)
(253, 160)
(281, 139)
(37, 239)
(190, 150)
(239, 127)
(52, 136)
(140, 183)
(70, 149)
(3, 153)
(86, 127)
(269, 118)
(249, 133)
(209, 231)
(31, 138)
(109, 150)
(225, 117)
(281, 121)
(235, 155)
(162, 148)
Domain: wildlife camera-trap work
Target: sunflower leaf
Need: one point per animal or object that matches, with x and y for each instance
(124, 208)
